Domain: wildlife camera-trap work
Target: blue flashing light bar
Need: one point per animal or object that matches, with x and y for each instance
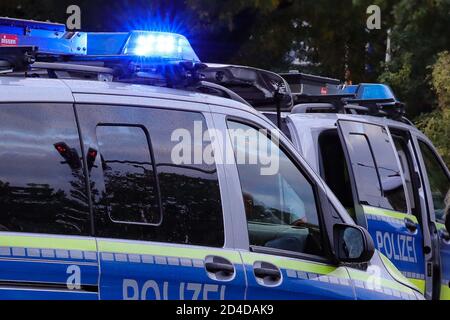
(375, 91)
(54, 39)
(370, 91)
(163, 45)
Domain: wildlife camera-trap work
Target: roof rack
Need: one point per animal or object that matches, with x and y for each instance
(262, 89)
(308, 84)
(347, 104)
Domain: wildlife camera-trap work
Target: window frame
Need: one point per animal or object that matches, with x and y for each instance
(411, 159)
(358, 204)
(424, 170)
(319, 196)
(322, 169)
(155, 173)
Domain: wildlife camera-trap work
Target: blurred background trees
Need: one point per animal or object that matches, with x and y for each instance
(324, 37)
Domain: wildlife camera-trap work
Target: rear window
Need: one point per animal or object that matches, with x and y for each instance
(42, 182)
(147, 181)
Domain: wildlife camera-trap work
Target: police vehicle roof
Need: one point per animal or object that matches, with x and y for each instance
(329, 120)
(63, 90)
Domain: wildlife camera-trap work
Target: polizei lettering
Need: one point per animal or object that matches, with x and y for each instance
(152, 290)
(399, 247)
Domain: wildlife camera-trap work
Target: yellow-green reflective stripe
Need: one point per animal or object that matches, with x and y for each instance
(395, 273)
(389, 213)
(285, 263)
(419, 283)
(46, 242)
(166, 251)
(365, 277)
(445, 292)
(440, 226)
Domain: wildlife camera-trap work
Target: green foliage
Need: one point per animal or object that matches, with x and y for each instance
(436, 125)
(441, 79)
(419, 32)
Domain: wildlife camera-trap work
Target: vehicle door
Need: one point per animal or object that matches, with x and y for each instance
(437, 181)
(46, 248)
(284, 251)
(161, 228)
(381, 200)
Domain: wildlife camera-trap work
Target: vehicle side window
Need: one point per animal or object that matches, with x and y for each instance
(283, 125)
(42, 183)
(280, 206)
(438, 179)
(403, 153)
(147, 166)
(130, 181)
(377, 173)
(365, 170)
(334, 169)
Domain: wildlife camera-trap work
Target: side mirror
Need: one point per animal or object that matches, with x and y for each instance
(353, 244)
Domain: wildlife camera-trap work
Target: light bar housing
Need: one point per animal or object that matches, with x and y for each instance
(50, 38)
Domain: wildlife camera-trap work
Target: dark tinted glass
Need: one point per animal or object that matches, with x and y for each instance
(366, 175)
(42, 186)
(189, 193)
(280, 207)
(391, 176)
(130, 181)
(401, 145)
(334, 168)
(378, 176)
(439, 181)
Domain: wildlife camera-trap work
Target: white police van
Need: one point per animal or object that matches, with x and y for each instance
(114, 186)
(383, 170)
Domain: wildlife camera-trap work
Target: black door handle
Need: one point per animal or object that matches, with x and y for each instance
(273, 274)
(217, 267)
(410, 225)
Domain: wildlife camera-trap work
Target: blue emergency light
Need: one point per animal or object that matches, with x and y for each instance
(54, 39)
(159, 45)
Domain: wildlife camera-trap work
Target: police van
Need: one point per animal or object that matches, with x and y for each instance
(116, 182)
(384, 171)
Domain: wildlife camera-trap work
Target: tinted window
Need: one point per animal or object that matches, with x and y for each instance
(280, 206)
(334, 169)
(379, 178)
(189, 191)
(439, 181)
(130, 182)
(391, 175)
(365, 170)
(42, 186)
(401, 145)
